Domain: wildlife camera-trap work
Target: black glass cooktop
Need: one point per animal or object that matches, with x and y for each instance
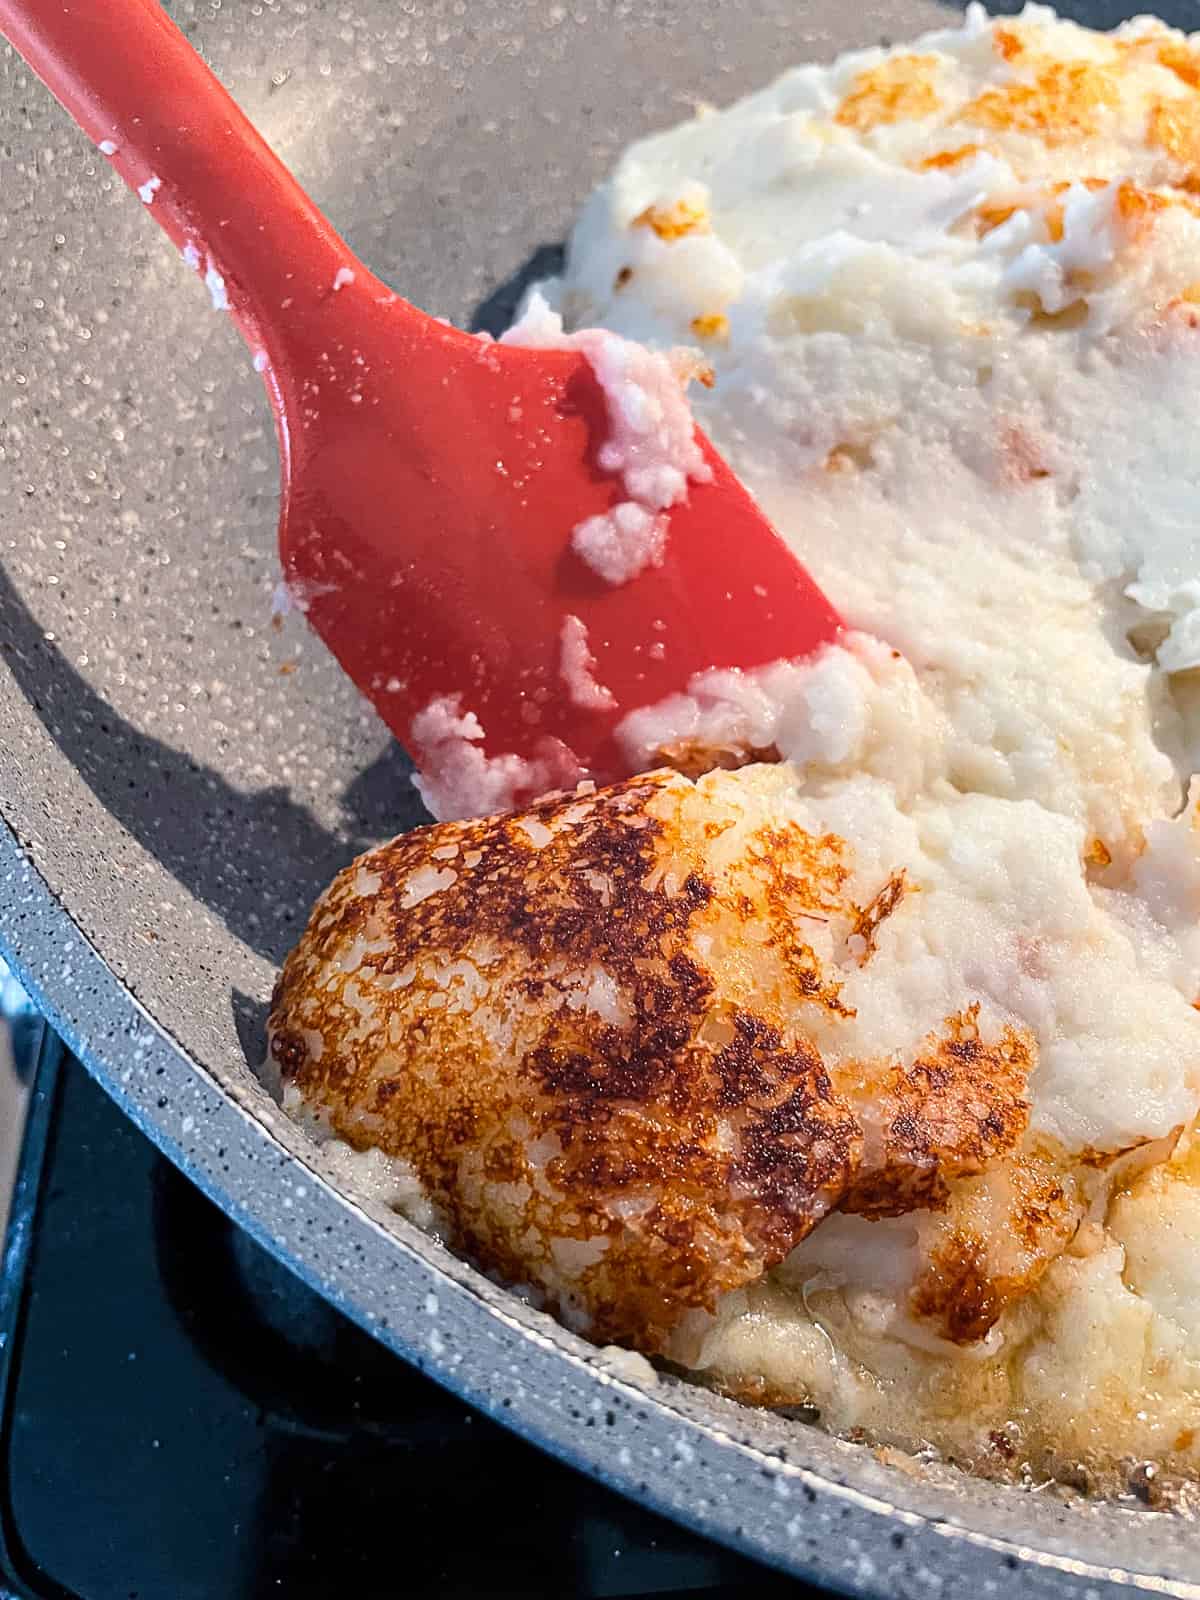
(183, 1420)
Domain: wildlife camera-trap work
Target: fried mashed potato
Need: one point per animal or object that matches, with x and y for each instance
(741, 1076)
(867, 1081)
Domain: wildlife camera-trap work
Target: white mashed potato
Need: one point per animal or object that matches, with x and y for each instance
(950, 297)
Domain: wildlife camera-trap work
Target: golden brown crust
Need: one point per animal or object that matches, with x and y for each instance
(584, 1026)
(633, 1169)
(996, 1240)
(869, 920)
(693, 757)
(952, 1112)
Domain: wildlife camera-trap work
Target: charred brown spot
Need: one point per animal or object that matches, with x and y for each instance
(1002, 1445)
(797, 1141)
(637, 1065)
(693, 758)
(668, 1150)
(957, 1292)
(803, 875)
(955, 1110)
(529, 1010)
(871, 918)
(288, 1052)
(1016, 1220)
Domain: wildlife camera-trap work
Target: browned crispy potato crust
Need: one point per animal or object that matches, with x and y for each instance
(583, 1026)
(941, 1117)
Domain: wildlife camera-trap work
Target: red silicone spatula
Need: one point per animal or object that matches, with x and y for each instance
(430, 480)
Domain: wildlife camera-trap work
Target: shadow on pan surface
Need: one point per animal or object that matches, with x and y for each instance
(227, 847)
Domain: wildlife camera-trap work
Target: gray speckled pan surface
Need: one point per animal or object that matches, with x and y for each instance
(174, 801)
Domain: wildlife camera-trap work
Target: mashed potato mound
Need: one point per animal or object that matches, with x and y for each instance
(866, 1081)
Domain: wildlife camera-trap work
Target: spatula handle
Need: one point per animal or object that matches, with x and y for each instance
(139, 90)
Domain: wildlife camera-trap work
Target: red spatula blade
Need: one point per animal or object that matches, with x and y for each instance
(431, 481)
(429, 535)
